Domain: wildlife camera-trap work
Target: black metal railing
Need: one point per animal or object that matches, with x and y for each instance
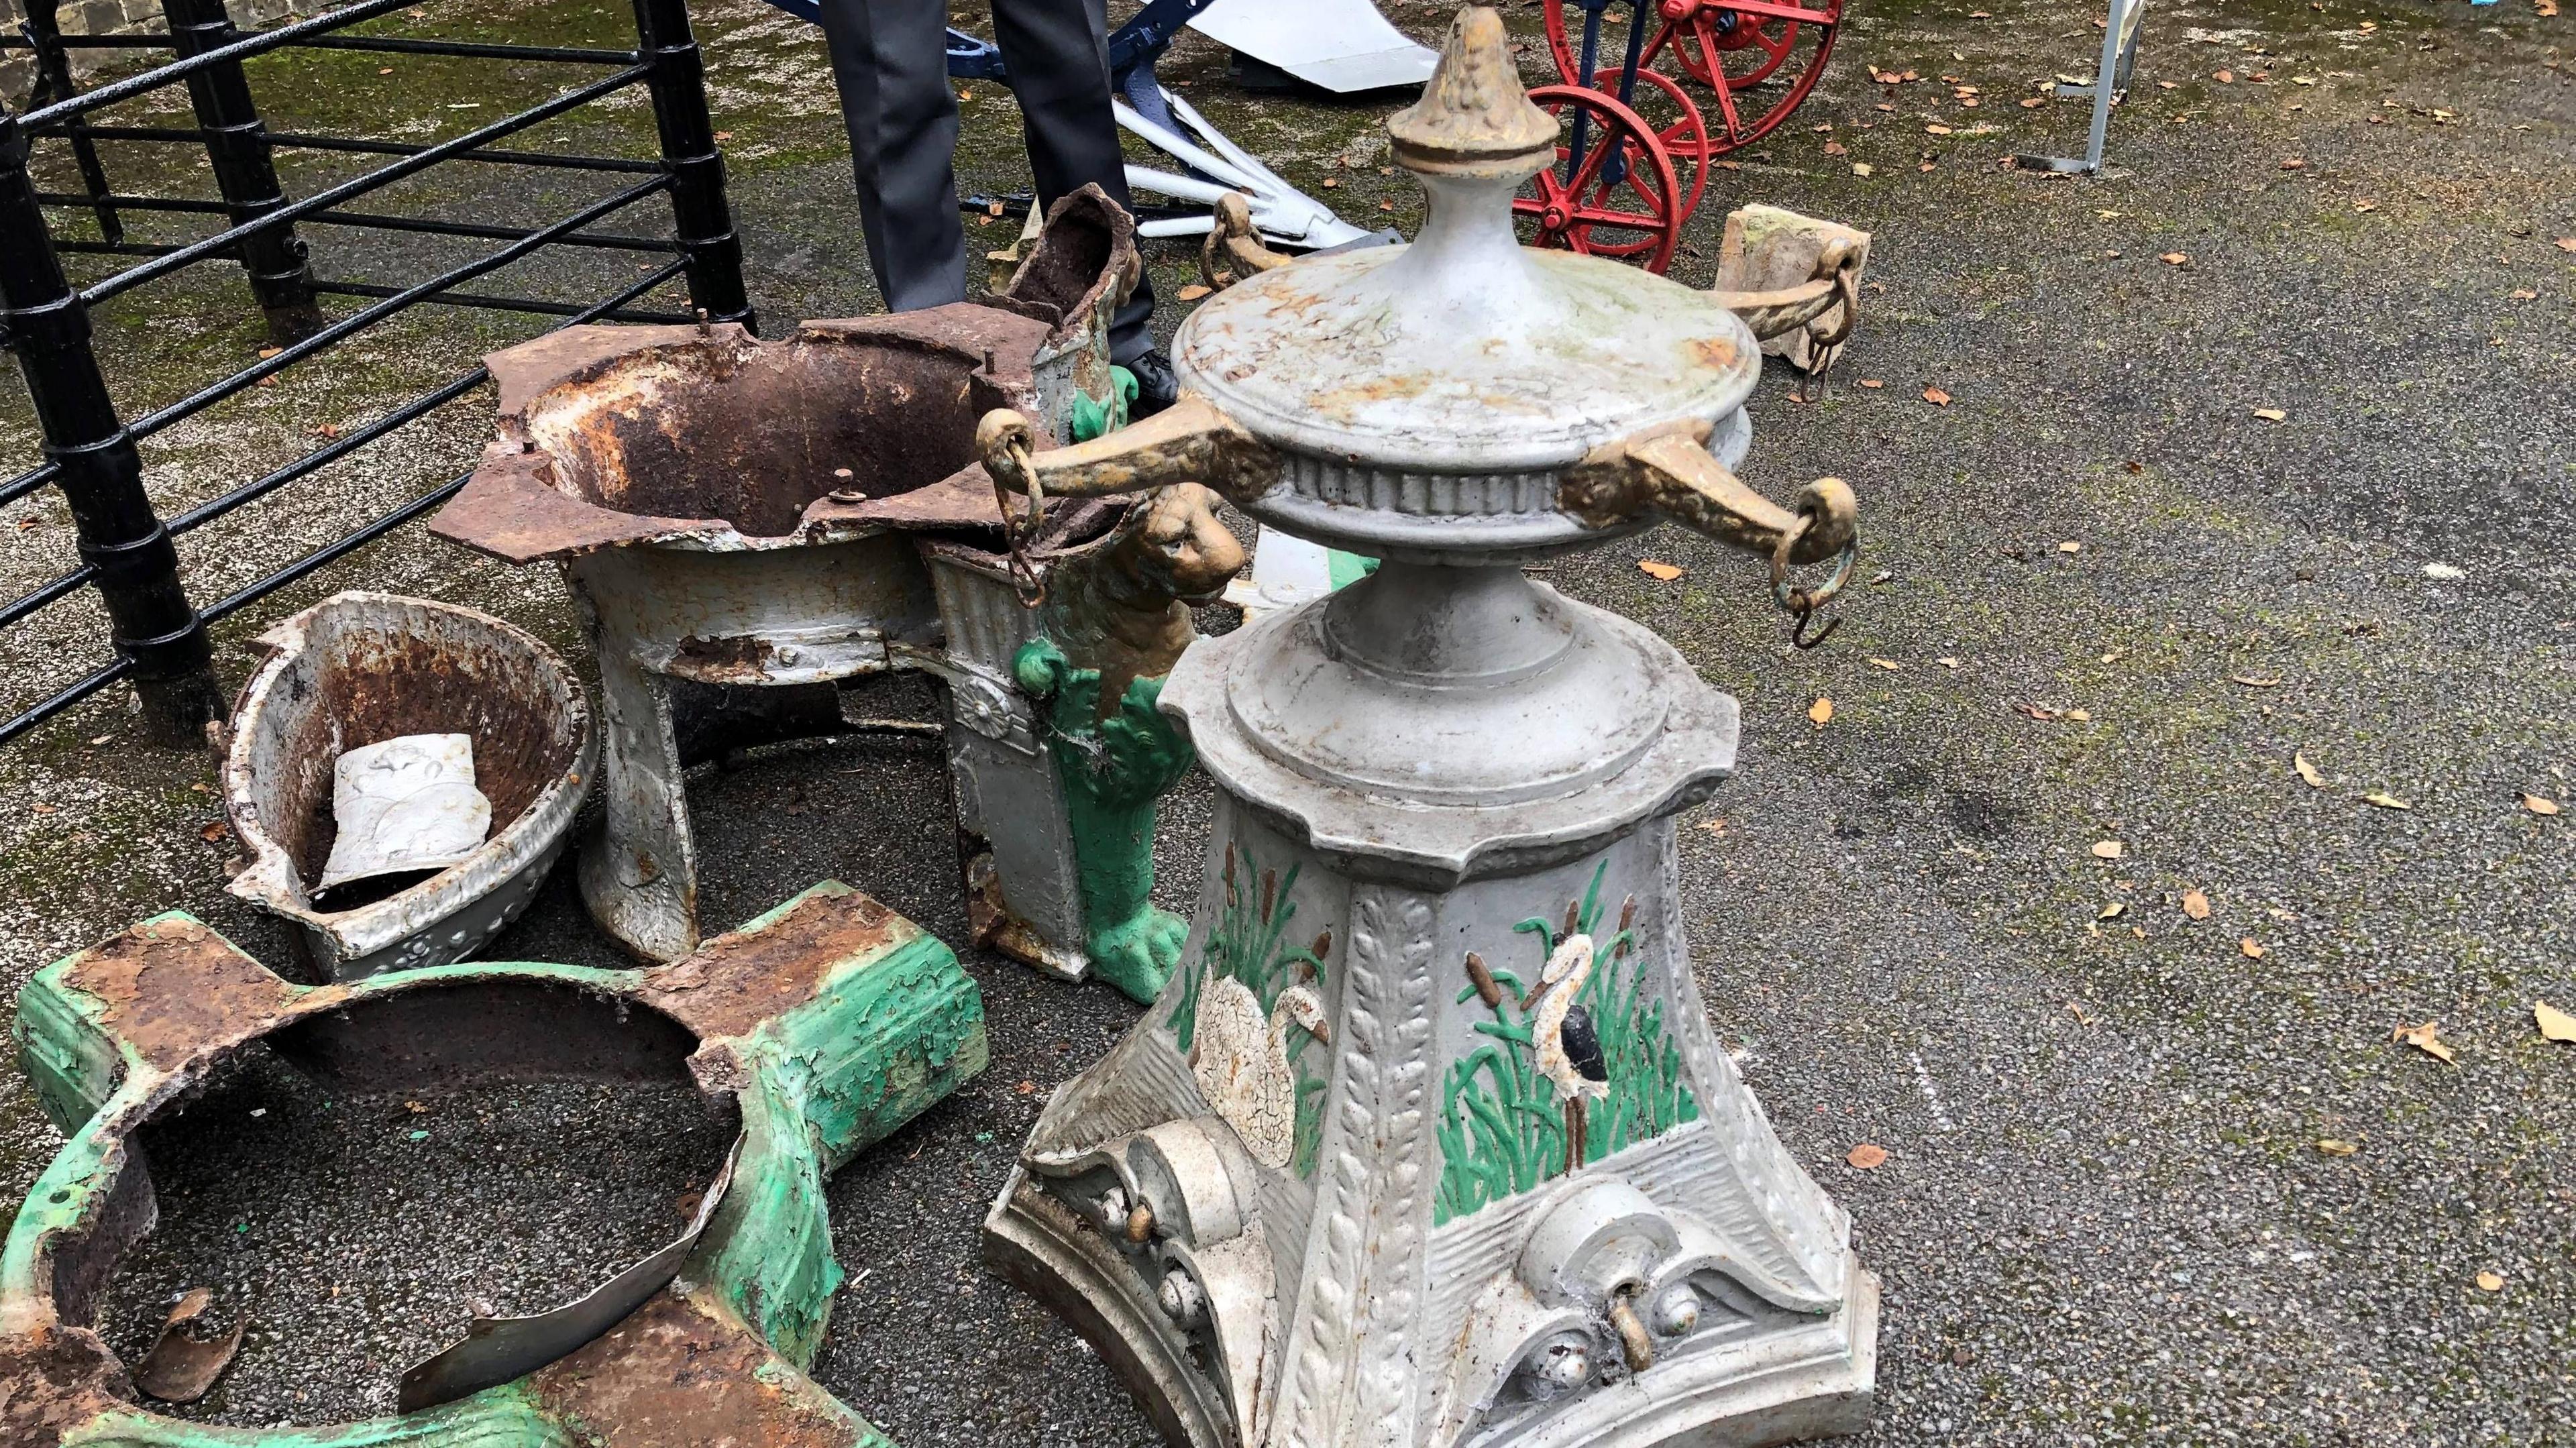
(93, 455)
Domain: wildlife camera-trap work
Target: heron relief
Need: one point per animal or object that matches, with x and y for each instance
(1575, 1063)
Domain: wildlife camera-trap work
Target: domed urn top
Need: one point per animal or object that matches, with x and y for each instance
(1464, 353)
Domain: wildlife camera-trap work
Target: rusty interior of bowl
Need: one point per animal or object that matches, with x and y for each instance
(378, 678)
(752, 436)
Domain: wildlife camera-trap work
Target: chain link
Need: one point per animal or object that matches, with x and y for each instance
(1025, 579)
(1801, 603)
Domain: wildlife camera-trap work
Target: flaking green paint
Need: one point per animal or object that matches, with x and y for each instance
(1114, 771)
(1092, 419)
(888, 1033)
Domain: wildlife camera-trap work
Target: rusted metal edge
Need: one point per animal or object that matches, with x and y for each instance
(515, 509)
(355, 653)
(131, 1025)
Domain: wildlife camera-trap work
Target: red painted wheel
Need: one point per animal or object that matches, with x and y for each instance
(1737, 48)
(1617, 197)
(1680, 126)
(1741, 49)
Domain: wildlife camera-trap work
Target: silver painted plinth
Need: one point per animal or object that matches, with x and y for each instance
(1407, 1275)
(1428, 1143)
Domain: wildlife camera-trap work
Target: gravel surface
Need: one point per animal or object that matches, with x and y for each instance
(359, 1232)
(2106, 1217)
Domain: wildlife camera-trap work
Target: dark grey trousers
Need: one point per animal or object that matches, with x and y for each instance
(889, 58)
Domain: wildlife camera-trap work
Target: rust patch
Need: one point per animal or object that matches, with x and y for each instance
(737, 981)
(677, 1374)
(423, 673)
(173, 988)
(511, 510)
(1715, 353)
(54, 1379)
(523, 372)
(738, 660)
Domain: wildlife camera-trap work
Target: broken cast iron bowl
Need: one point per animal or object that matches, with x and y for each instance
(732, 512)
(360, 668)
(829, 1022)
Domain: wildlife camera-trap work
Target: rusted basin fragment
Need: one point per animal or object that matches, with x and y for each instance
(359, 668)
(741, 514)
(828, 1022)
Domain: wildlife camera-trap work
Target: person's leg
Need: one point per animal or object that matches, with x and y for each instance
(1058, 54)
(889, 58)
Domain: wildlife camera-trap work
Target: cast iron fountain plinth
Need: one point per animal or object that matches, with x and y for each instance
(1429, 1142)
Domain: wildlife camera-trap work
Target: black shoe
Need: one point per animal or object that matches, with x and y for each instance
(1156, 387)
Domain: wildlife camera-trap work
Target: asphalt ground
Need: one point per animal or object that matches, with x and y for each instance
(2105, 1217)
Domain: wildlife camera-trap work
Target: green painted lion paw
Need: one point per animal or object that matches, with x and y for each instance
(1138, 955)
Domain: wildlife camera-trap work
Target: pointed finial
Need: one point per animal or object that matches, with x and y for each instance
(1473, 113)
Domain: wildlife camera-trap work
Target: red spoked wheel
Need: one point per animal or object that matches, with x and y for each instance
(1738, 48)
(1680, 126)
(1612, 191)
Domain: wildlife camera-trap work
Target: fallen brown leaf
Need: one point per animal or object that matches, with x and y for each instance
(2490, 1282)
(1860, 168)
(2554, 1024)
(1661, 571)
(1868, 1156)
(2332, 1147)
(2271, 414)
(2113, 911)
(2365, 206)
(2423, 1038)
(2195, 904)
(2173, 258)
(2540, 804)
(2038, 711)
(2254, 681)
(2033, 102)
(1194, 291)
(1873, 383)
(2225, 77)
(215, 832)
(2307, 771)
(1936, 397)
(2109, 849)
(2566, 243)
(2382, 799)
(2251, 948)
(1822, 711)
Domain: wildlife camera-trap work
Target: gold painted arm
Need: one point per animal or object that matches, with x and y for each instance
(1836, 283)
(1188, 442)
(1233, 249)
(1669, 471)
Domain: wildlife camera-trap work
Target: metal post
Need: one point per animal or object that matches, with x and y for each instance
(53, 67)
(137, 569)
(237, 144)
(704, 221)
(2103, 85)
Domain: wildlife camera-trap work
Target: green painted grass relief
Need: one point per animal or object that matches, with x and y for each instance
(1248, 945)
(1504, 1125)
